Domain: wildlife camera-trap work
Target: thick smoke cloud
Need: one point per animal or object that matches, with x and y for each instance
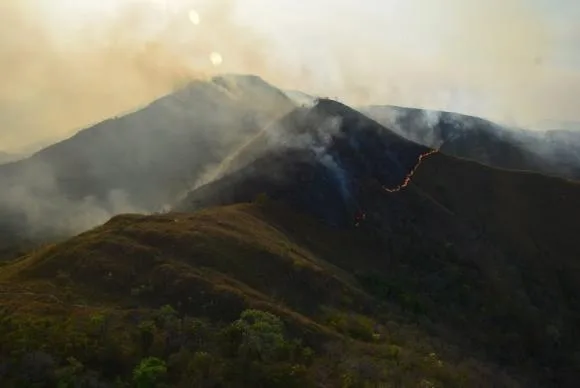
(65, 64)
(493, 58)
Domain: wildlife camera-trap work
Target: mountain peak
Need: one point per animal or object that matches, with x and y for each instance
(317, 159)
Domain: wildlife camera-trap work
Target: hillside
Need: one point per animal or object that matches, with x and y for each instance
(315, 159)
(113, 281)
(474, 248)
(552, 152)
(138, 162)
(329, 251)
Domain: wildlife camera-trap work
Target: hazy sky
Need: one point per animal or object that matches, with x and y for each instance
(67, 63)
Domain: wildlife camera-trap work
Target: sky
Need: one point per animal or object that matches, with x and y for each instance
(65, 64)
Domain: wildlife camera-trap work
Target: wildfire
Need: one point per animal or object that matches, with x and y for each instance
(360, 216)
(409, 176)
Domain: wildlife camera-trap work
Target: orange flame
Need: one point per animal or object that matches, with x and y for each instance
(361, 216)
(409, 176)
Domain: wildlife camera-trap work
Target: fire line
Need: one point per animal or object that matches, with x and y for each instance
(361, 215)
(409, 176)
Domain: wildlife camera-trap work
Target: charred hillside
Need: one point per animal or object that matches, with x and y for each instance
(476, 249)
(316, 159)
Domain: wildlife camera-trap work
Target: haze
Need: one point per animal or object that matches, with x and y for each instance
(65, 64)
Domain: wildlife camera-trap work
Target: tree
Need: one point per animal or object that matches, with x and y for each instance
(262, 335)
(204, 370)
(167, 315)
(149, 372)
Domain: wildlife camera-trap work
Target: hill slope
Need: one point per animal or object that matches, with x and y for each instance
(141, 161)
(553, 152)
(479, 249)
(315, 159)
(392, 264)
(212, 265)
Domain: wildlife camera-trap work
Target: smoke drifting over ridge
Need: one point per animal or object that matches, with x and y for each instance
(67, 63)
(486, 58)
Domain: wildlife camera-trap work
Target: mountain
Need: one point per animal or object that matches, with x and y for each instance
(484, 141)
(480, 249)
(326, 251)
(138, 162)
(300, 98)
(6, 157)
(315, 159)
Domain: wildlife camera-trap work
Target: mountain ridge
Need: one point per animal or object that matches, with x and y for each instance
(323, 249)
(551, 152)
(140, 161)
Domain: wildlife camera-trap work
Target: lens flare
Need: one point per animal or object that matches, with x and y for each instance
(216, 59)
(194, 17)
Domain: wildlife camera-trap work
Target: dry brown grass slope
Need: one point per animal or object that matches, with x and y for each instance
(217, 262)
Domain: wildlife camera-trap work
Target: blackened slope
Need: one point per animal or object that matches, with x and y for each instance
(462, 245)
(315, 159)
(367, 149)
(482, 140)
(534, 218)
(514, 237)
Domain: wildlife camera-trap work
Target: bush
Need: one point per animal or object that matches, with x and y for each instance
(149, 372)
(166, 315)
(262, 335)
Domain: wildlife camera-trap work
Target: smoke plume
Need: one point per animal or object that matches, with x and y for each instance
(65, 64)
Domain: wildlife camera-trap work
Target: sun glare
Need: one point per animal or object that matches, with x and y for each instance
(194, 17)
(216, 58)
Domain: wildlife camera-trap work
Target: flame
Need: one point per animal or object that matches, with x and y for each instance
(409, 176)
(361, 215)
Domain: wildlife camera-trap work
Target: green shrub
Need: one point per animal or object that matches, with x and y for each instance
(262, 335)
(149, 372)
